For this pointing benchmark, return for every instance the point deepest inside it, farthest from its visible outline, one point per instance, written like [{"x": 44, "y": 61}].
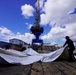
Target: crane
[{"x": 37, "y": 30}]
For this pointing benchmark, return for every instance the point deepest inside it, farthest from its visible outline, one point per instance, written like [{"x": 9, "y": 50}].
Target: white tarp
[{"x": 29, "y": 56}]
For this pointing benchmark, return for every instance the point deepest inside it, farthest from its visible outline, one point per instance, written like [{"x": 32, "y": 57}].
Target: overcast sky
[{"x": 58, "y": 18}]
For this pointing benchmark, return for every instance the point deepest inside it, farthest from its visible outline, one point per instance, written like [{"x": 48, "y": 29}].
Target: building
[{"x": 18, "y": 42}]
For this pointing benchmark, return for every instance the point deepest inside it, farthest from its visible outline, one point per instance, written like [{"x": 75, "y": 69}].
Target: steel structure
[{"x": 37, "y": 30}]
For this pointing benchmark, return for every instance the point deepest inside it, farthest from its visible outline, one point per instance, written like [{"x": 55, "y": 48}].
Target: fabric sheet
[{"x": 29, "y": 56}]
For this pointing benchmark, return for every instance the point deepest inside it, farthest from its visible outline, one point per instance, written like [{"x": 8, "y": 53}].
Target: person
[{"x": 71, "y": 47}]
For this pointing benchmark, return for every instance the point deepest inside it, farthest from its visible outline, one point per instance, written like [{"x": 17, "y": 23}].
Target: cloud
[
  {"x": 26, "y": 37},
  {"x": 53, "y": 43},
  {"x": 58, "y": 33},
  {"x": 5, "y": 31},
  {"x": 29, "y": 25},
  {"x": 6, "y": 35},
  {"x": 61, "y": 16},
  {"x": 55, "y": 10},
  {"x": 27, "y": 10}
]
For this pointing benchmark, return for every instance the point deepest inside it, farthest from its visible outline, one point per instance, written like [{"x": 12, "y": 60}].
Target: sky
[{"x": 57, "y": 17}]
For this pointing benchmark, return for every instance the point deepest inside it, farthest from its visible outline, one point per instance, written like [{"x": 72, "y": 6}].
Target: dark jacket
[{"x": 70, "y": 44}]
